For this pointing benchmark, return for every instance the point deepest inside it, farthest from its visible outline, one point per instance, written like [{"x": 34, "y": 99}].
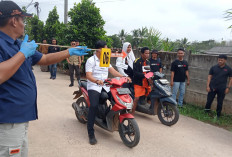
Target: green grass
[{"x": 196, "y": 112}]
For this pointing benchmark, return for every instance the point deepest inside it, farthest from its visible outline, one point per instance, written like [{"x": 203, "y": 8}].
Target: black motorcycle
[{"x": 165, "y": 107}]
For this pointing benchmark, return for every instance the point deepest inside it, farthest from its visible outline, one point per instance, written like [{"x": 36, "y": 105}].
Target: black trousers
[
  {"x": 220, "y": 97},
  {"x": 94, "y": 97},
  {"x": 71, "y": 72}
]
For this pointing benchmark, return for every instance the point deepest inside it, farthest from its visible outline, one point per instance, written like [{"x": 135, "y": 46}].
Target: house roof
[{"x": 220, "y": 50}]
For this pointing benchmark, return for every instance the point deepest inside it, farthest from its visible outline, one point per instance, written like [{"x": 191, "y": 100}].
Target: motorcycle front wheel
[
  {"x": 129, "y": 132},
  {"x": 168, "y": 114}
]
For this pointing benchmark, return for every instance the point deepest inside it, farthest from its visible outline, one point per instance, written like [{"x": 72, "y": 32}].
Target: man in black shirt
[
  {"x": 155, "y": 62},
  {"x": 216, "y": 84},
  {"x": 179, "y": 72},
  {"x": 52, "y": 67}
]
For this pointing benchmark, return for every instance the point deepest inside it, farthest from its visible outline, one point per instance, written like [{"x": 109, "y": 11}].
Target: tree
[
  {"x": 184, "y": 43},
  {"x": 87, "y": 23},
  {"x": 129, "y": 38},
  {"x": 153, "y": 40},
  {"x": 167, "y": 45},
  {"x": 116, "y": 41},
  {"x": 228, "y": 16},
  {"x": 143, "y": 33},
  {"x": 37, "y": 29},
  {"x": 135, "y": 35},
  {"x": 34, "y": 27},
  {"x": 52, "y": 25},
  {"x": 122, "y": 35}
]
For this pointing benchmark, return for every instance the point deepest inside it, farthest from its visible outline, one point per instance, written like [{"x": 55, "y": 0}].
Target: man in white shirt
[{"x": 96, "y": 76}]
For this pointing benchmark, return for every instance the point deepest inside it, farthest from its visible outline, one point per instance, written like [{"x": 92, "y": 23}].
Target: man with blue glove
[{"x": 18, "y": 92}]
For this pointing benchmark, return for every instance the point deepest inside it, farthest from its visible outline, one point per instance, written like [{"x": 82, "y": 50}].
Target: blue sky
[{"x": 194, "y": 19}]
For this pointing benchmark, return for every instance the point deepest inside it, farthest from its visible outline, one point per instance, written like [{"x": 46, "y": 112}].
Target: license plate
[{"x": 123, "y": 91}]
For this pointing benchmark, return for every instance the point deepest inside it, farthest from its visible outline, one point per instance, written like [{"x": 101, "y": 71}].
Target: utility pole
[
  {"x": 65, "y": 11},
  {"x": 36, "y": 5}
]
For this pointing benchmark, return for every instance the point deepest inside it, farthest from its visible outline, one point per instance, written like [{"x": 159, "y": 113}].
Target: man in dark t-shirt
[
  {"x": 155, "y": 62},
  {"x": 52, "y": 67},
  {"x": 217, "y": 84},
  {"x": 179, "y": 72}
]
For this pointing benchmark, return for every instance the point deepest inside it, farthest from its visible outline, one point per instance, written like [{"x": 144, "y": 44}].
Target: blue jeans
[
  {"x": 178, "y": 86},
  {"x": 52, "y": 68}
]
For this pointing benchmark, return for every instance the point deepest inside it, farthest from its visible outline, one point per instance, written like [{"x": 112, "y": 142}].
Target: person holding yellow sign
[{"x": 96, "y": 76}]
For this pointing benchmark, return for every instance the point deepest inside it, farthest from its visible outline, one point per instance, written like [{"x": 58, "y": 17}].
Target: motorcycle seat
[
  {"x": 83, "y": 84},
  {"x": 103, "y": 97}
]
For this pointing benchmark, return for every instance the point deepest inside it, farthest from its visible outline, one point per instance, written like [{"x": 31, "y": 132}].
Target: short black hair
[
  {"x": 222, "y": 57},
  {"x": 180, "y": 49},
  {"x": 100, "y": 44},
  {"x": 73, "y": 40},
  {"x": 77, "y": 40},
  {"x": 55, "y": 40},
  {"x": 144, "y": 49},
  {"x": 155, "y": 51}
]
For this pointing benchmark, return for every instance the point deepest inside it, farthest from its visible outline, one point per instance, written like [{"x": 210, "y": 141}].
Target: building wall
[{"x": 199, "y": 66}]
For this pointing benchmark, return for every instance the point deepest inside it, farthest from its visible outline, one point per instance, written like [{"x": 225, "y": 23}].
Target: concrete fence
[{"x": 199, "y": 66}]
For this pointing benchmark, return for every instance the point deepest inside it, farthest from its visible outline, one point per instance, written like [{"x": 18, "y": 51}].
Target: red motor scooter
[{"x": 111, "y": 116}]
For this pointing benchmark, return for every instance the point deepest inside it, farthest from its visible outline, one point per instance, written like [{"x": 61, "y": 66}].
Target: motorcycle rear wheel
[
  {"x": 129, "y": 132},
  {"x": 83, "y": 105},
  {"x": 166, "y": 114}
]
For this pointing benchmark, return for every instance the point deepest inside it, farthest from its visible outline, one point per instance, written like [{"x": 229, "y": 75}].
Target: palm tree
[
  {"x": 135, "y": 34},
  {"x": 122, "y": 35},
  {"x": 184, "y": 43},
  {"x": 143, "y": 33},
  {"x": 229, "y": 16}
]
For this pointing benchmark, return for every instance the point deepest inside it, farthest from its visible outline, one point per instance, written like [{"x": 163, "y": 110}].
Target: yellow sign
[{"x": 105, "y": 57}]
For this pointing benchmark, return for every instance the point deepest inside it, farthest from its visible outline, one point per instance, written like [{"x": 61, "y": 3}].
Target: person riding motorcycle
[
  {"x": 141, "y": 84},
  {"x": 125, "y": 65},
  {"x": 95, "y": 77}
]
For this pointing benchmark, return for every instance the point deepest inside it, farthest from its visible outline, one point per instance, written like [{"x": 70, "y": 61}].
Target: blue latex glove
[
  {"x": 78, "y": 52},
  {"x": 28, "y": 48}
]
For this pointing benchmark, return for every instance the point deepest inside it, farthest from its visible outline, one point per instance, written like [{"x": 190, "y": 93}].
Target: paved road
[{"x": 57, "y": 133}]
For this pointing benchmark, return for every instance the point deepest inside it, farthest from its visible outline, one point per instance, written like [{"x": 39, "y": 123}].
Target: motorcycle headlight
[{"x": 128, "y": 105}]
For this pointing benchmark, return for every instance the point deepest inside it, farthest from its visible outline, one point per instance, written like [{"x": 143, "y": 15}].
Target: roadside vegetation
[{"x": 197, "y": 112}]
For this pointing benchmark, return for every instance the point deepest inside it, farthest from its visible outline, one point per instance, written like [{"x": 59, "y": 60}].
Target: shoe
[
  {"x": 71, "y": 85},
  {"x": 50, "y": 77},
  {"x": 53, "y": 78},
  {"x": 92, "y": 140}
]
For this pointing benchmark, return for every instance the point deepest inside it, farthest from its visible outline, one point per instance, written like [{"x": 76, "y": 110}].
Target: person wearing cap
[
  {"x": 74, "y": 64},
  {"x": 18, "y": 91},
  {"x": 179, "y": 73},
  {"x": 217, "y": 84},
  {"x": 155, "y": 62}
]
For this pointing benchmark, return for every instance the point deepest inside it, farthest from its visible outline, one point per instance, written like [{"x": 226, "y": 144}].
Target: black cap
[
  {"x": 10, "y": 8},
  {"x": 222, "y": 56}
]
